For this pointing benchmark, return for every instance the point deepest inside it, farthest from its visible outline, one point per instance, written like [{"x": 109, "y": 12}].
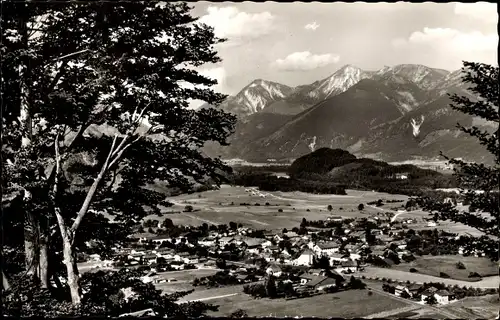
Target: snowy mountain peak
[
  {"x": 255, "y": 97},
  {"x": 422, "y": 76},
  {"x": 339, "y": 82}
]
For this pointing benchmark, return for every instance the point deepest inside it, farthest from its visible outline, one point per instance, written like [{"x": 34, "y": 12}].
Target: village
[{"x": 316, "y": 257}]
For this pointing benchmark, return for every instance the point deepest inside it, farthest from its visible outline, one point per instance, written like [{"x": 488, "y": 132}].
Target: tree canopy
[
  {"x": 479, "y": 183},
  {"x": 96, "y": 108}
]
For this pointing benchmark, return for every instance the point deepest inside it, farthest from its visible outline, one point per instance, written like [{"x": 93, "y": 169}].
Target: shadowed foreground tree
[
  {"x": 479, "y": 183},
  {"x": 95, "y": 108}
]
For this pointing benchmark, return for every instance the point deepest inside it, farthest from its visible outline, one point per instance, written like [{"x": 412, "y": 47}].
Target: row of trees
[
  {"x": 93, "y": 110},
  {"x": 268, "y": 182}
]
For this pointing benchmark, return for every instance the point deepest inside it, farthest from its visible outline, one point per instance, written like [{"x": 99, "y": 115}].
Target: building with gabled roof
[{"x": 305, "y": 258}]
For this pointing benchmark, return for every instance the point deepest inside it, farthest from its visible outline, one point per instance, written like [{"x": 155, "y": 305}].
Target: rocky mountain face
[
  {"x": 255, "y": 97},
  {"x": 393, "y": 114}
]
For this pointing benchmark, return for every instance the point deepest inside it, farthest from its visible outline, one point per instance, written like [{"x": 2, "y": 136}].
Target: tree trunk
[
  {"x": 70, "y": 263},
  {"x": 31, "y": 246},
  {"x": 5, "y": 281},
  {"x": 36, "y": 257},
  {"x": 44, "y": 260}
]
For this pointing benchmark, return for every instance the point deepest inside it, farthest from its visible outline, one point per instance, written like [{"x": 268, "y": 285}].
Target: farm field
[
  {"x": 394, "y": 274},
  {"x": 485, "y": 307},
  {"x": 183, "y": 279},
  {"x": 234, "y": 204},
  {"x": 346, "y": 304},
  {"x": 433, "y": 265}
]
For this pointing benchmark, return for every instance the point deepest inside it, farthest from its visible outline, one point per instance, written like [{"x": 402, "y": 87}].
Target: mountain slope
[
  {"x": 424, "y": 133},
  {"x": 422, "y": 76},
  {"x": 396, "y": 113},
  {"x": 338, "y": 82},
  {"x": 339, "y": 121},
  {"x": 248, "y": 130},
  {"x": 255, "y": 97}
]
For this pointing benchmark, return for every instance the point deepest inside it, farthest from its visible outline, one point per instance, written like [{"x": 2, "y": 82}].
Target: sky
[{"x": 298, "y": 43}]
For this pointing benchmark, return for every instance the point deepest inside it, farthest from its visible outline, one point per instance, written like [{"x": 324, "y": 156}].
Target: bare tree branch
[
  {"x": 90, "y": 194},
  {"x": 57, "y": 210}
]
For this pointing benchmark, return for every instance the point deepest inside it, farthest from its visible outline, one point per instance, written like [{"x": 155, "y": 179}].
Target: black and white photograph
[{"x": 249, "y": 159}]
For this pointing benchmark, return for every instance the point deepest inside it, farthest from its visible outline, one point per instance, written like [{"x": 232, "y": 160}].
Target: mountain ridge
[{"x": 395, "y": 113}]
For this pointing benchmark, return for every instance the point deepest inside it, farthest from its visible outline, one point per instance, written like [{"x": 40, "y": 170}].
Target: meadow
[
  {"x": 235, "y": 204},
  {"x": 434, "y": 265},
  {"x": 345, "y": 304},
  {"x": 485, "y": 307}
]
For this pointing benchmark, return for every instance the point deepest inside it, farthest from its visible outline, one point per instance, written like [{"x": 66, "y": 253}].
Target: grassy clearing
[
  {"x": 433, "y": 265},
  {"x": 347, "y": 304},
  {"x": 225, "y": 205},
  {"x": 485, "y": 307}
]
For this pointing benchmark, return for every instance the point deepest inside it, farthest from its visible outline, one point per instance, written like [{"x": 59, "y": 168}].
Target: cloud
[
  {"x": 484, "y": 11},
  {"x": 311, "y": 26},
  {"x": 231, "y": 23},
  {"x": 449, "y": 47},
  {"x": 304, "y": 61}
]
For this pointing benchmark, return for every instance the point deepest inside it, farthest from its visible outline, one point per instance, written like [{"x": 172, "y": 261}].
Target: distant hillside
[
  {"x": 247, "y": 131},
  {"x": 341, "y": 167},
  {"x": 337, "y": 122},
  {"x": 321, "y": 161}
]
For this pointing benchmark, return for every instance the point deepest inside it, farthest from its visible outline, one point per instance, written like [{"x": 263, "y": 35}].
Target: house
[
  {"x": 305, "y": 258},
  {"x": 358, "y": 234},
  {"x": 305, "y": 278},
  {"x": 354, "y": 256},
  {"x": 253, "y": 245},
  {"x": 207, "y": 242},
  {"x": 278, "y": 238},
  {"x": 286, "y": 253},
  {"x": 335, "y": 219},
  {"x": 316, "y": 272},
  {"x": 135, "y": 256},
  {"x": 413, "y": 289},
  {"x": 401, "y": 176},
  {"x": 401, "y": 244},
  {"x": 320, "y": 283},
  {"x": 138, "y": 251},
  {"x": 347, "y": 266},
  {"x": 149, "y": 258},
  {"x": 243, "y": 278},
  {"x": 299, "y": 243},
  {"x": 326, "y": 248},
  {"x": 376, "y": 232},
  {"x": 272, "y": 248},
  {"x": 443, "y": 296},
  {"x": 291, "y": 235},
  {"x": 226, "y": 240},
  {"x": 427, "y": 292},
  {"x": 400, "y": 289},
  {"x": 431, "y": 224},
  {"x": 274, "y": 270},
  {"x": 337, "y": 258},
  {"x": 353, "y": 248}
]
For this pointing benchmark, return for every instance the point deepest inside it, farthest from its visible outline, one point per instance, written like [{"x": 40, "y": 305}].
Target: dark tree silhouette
[
  {"x": 94, "y": 111},
  {"x": 478, "y": 182}
]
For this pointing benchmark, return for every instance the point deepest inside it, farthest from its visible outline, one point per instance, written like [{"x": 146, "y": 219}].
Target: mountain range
[{"x": 393, "y": 114}]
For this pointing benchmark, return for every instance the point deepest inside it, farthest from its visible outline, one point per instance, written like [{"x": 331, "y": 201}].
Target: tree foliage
[
  {"x": 479, "y": 183},
  {"x": 95, "y": 107}
]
